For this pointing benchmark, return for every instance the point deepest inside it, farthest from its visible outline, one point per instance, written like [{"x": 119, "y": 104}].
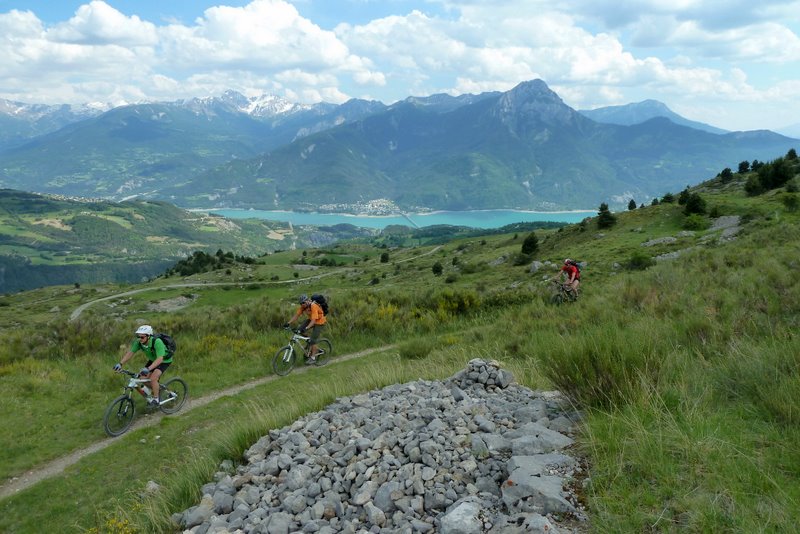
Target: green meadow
[{"x": 687, "y": 368}]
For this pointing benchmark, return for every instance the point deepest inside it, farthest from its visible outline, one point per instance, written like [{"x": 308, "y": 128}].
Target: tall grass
[{"x": 688, "y": 373}]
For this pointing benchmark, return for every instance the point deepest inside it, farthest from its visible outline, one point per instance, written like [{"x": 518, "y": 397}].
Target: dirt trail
[
  {"x": 56, "y": 467},
  {"x": 77, "y": 311}
]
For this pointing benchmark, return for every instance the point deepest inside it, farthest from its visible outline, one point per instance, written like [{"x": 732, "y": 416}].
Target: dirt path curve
[
  {"x": 58, "y": 466},
  {"x": 77, "y": 311}
]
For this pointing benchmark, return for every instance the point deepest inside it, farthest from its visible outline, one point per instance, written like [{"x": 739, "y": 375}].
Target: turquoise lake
[{"x": 473, "y": 219}]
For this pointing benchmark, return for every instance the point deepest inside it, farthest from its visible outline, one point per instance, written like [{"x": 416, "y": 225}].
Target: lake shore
[{"x": 473, "y": 218}]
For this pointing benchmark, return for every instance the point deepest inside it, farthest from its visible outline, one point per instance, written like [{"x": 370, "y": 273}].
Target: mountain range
[{"x": 519, "y": 149}]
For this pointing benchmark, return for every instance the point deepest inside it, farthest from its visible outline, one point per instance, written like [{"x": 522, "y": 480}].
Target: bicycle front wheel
[
  {"x": 119, "y": 416},
  {"x": 324, "y": 352},
  {"x": 172, "y": 395},
  {"x": 283, "y": 361},
  {"x": 558, "y": 298}
]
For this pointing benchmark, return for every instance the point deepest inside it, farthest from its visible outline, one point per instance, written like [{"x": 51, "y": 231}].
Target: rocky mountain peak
[{"x": 533, "y": 104}]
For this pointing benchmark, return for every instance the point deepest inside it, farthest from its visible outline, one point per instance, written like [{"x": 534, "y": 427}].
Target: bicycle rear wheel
[
  {"x": 172, "y": 395},
  {"x": 324, "y": 352},
  {"x": 283, "y": 361},
  {"x": 119, "y": 416}
]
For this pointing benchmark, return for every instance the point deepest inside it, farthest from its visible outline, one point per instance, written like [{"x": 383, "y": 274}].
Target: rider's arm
[
  {"x": 296, "y": 315},
  {"x": 128, "y": 355},
  {"x": 310, "y": 324}
]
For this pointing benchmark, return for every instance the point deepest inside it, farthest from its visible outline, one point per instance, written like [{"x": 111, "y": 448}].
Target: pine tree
[
  {"x": 531, "y": 244},
  {"x": 605, "y": 219}
]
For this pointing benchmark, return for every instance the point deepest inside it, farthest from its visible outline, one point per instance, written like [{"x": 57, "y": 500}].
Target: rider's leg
[
  {"x": 315, "y": 331},
  {"x": 154, "y": 376}
]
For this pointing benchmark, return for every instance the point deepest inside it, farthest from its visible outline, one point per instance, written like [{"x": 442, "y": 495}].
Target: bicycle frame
[
  {"x": 297, "y": 343},
  {"x": 135, "y": 384}
]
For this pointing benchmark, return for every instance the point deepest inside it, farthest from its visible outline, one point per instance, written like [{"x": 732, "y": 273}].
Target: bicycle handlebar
[
  {"x": 129, "y": 373},
  {"x": 292, "y": 330}
]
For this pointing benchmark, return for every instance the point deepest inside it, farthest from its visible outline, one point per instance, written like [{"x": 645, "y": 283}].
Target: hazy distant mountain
[
  {"x": 521, "y": 149},
  {"x": 142, "y": 148},
  {"x": 20, "y": 122},
  {"x": 443, "y": 102},
  {"x": 640, "y": 112},
  {"x": 791, "y": 131}
]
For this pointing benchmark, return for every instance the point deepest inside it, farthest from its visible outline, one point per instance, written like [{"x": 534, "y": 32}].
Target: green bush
[
  {"x": 790, "y": 202},
  {"x": 639, "y": 261},
  {"x": 520, "y": 259},
  {"x": 695, "y": 221}
]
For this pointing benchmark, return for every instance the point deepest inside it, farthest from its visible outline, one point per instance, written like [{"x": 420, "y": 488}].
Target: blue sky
[{"x": 734, "y": 64}]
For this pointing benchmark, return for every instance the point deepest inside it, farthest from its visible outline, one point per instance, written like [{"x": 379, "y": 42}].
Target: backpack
[
  {"x": 320, "y": 299},
  {"x": 169, "y": 343}
]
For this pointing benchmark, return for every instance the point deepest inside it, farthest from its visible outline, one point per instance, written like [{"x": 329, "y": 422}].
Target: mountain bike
[
  {"x": 284, "y": 360},
  {"x": 563, "y": 293},
  {"x": 172, "y": 395}
]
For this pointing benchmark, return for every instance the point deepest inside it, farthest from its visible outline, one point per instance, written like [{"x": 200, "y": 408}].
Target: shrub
[
  {"x": 753, "y": 186},
  {"x": 531, "y": 244},
  {"x": 639, "y": 261},
  {"x": 695, "y": 221},
  {"x": 520, "y": 259},
  {"x": 790, "y": 202},
  {"x": 694, "y": 204}
]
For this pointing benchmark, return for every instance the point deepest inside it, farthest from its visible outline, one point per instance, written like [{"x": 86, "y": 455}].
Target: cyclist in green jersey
[{"x": 158, "y": 358}]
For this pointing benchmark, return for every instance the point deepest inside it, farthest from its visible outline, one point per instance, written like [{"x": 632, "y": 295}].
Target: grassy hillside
[
  {"x": 47, "y": 240},
  {"x": 686, "y": 366}
]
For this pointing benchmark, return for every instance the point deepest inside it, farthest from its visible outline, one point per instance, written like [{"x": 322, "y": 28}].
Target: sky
[{"x": 733, "y": 64}]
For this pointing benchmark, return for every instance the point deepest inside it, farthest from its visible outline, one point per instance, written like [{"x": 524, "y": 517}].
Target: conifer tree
[{"x": 605, "y": 219}]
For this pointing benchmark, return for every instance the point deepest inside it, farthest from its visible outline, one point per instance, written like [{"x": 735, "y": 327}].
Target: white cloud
[
  {"x": 97, "y": 23},
  {"x": 687, "y": 53}
]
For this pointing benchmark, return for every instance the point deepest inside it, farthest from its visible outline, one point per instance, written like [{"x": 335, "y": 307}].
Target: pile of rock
[{"x": 476, "y": 453}]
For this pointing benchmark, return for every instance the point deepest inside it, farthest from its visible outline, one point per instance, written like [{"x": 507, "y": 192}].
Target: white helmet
[{"x": 145, "y": 329}]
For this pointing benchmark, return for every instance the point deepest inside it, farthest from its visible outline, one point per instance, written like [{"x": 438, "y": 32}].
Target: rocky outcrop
[{"x": 476, "y": 453}]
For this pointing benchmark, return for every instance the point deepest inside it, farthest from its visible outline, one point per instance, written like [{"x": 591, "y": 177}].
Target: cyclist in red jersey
[{"x": 573, "y": 274}]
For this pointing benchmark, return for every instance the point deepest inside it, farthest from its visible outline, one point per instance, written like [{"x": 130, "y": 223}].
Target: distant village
[{"x": 378, "y": 206}]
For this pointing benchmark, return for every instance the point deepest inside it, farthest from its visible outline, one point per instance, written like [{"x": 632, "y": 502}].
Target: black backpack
[
  {"x": 169, "y": 343},
  {"x": 320, "y": 299}
]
